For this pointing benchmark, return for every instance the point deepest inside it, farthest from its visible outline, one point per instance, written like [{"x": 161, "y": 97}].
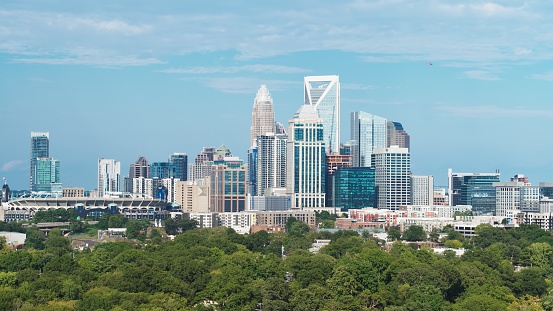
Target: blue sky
[{"x": 119, "y": 79}]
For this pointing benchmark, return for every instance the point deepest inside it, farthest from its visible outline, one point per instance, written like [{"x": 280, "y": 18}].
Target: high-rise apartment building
[
  {"x": 263, "y": 116},
  {"x": 475, "y": 189},
  {"x": 180, "y": 162},
  {"x": 109, "y": 177},
  {"x": 397, "y": 136},
  {"x": 306, "y": 159},
  {"x": 323, "y": 93},
  {"x": 368, "y": 132},
  {"x": 422, "y": 190},
  {"x": 140, "y": 168},
  {"x": 40, "y": 148},
  {"x": 392, "y": 176}
]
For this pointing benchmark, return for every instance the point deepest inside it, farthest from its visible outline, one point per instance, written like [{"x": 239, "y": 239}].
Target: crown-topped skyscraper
[{"x": 263, "y": 115}]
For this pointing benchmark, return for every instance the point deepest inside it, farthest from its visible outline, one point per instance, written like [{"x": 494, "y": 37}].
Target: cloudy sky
[{"x": 471, "y": 81}]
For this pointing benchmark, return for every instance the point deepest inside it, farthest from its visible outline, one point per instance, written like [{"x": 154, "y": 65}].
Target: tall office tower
[
  {"x": 270, "y": 163},
  {"x": 162, "y": 170},
  {"x": 474, "y": 189},
  {"x": 323, "y": 93},
  {"x": 397, "y": 136},
  {"x": 180, "y": 161},
  {"x": 263, "y": 116},
  {"x": 354, "y": 187},
  {"x": 333, "y": 162},
  {"x": 306, "y": 159},
  {"x": 422, "y": 190},
  {"x": 368, "y": 132},
  {"x": 392, "y": 176},
  {"x": 109, "y": 176},
  {"x": 202, "y": 164},
  {"x": 46, "y": 176},
  {"x": 40, "y": 148},
  {"x": 228, "y": 189}
]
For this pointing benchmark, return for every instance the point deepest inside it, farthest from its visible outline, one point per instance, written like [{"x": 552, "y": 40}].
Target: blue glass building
[{"x": 354, "y": 187}]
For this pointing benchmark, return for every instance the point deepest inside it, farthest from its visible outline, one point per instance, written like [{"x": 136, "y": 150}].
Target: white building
[
  {"x": 109, "y": 177},
  {"x": 306, "y": 159},
  {"x": 392, "y": 176},
  {"x": 368, "y": 132},
  {"x": 142, "y": 187},
  {"x": 422, "y": 190},
  {"x": 515, "y": 196},
  {"x": 323, "y": 93},
  {"x": 241, "y": 222}
]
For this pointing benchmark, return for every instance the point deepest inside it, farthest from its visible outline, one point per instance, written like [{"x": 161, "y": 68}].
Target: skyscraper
[
  {"x": 354, "y": 187},
  {"x": 392, "y": 176},
  {"x": 46, "y": 176},
  {"x": 162, "y": 170},
  {"x": 368, "y": 132},
  {"x": 323, "y": 93},
  {"x": 202, "y": 164},
  {"x": 334, "y": 161},
  {"x": 397, "y": 136},
  {"x": 180, "y": 161},
  {"x": 263, "y": 116},
  {"x": 40, "y": 148},
  {"x": 109, "y": 176},
  {"x": 271, "y": 162},
  {"x": 306, "y": 159},
  {"x": 228, "y": 190},
  {"x": 140, "y": 168}
]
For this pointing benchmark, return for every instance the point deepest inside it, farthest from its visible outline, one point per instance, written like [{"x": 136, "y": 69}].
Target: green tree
[
  {"x": 34, "y": 238},
  {"x": 540, "y": 254},
  {"x": 394, "y": 234},
  {"x": 414, "y": 233}
]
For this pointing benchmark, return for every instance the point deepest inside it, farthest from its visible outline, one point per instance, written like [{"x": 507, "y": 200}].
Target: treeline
[{"x": 218, "y": 269}]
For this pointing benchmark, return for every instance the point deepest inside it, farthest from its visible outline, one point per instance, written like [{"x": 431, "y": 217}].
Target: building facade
[
  {"x": 475, "y": 189},
  {"x": 368, "y": 132},
  {"x": 422, "y": 190},
  {"x": 334, "y": 161},
  {"x": 270, "y": 162},
  {"x": 323, "y": 93},
  {"x": 228, "y": 186},
  {"x": 354, "y": 188},
  {"x": 392, "y": 176}
]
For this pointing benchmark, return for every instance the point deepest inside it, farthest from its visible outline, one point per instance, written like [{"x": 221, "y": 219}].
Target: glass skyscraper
[
  {"x": 40, "y": 148},
  {"x": 323, "y": 93},
  {"x": 180, "y": 162},
  {"x": 368, "y": 132}
]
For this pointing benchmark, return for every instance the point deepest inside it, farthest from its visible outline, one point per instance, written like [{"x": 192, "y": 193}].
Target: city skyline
[{"x": 469, "y": 81}]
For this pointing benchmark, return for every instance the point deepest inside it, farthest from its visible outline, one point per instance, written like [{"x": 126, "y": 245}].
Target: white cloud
[
  {"x": 547, "y": 76},
  {"x": 426, "y": 30},
  {"x": 15, "y": 165},
  {"x": 480, "y": 75},
  {"x": 493, "y": 111},
  {"x": 355, "y": 86},
  {"x": 235, "y": 69}
]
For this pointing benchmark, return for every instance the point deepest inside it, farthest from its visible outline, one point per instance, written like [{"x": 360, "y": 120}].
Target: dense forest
[{"x": 218, "y": 269}]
